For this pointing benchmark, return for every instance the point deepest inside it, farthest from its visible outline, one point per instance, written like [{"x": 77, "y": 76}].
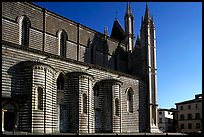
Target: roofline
[
  {"x": 189, "y": 101},
  {"x": 164, "y": 109},
  {"x": 72, "y": 21}
]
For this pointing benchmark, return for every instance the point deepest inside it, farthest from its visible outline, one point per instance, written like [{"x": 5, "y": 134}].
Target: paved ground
[{"x": 25, "y": 133}]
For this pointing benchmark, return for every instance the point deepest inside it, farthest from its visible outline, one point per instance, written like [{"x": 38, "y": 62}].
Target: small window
[
  {"x": 182, "y": 126},
  {"x": 160, "y": 113},
  {"x": 130, "y": 100},
  {"x": 181, "y": 117},
  {"x": 196, "y": 105},
  {"x": 197, "y": 116},
  {"x": 181, "y": 108},
  {"x": 189, "y": 116},
  {"x": 84, "y": 103},
  {"x": 40, "y": 98},
  {"x": 160, "y": 120},
  {"x": 197, "y": 125},
  {"x": 117, "y": 110},
  {"x": 189, "y": 126},
  {"x": 189, "y": 106}
]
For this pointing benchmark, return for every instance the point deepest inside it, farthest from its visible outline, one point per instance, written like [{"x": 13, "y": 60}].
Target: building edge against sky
[{"x": 41, "y": 94}]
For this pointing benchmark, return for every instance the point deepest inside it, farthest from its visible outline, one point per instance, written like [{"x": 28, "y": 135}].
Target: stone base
[{"x": 154, "y": 129}]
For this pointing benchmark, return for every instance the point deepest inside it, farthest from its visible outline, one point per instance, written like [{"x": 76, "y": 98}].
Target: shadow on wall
[
  {"x": 98, "y": 53},
  {"x": 20, "y": 85},
  {"x": 17, "y": 84}
]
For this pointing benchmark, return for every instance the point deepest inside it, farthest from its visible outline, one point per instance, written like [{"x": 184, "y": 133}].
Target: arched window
[
  {"x": 40, "y": 98},
  {"x": 24, "y": 30},
  {"x": 60, "y": 89},
  {"x": 84, "y": 103},
  {"x": 117, "y": 109},
  {"x": 130, "y": 101},
  {"x": 62, "y": 36},
  {"x": 60, "y": 82},
  {"x": 96, "y": 97}
]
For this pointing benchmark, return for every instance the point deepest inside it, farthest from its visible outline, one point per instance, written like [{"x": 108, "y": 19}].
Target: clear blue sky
[{"x": 178, "y": 34}]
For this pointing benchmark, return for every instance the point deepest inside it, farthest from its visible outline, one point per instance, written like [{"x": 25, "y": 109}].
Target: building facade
[
  {"x": 166, "y": 119},
  {"x": 190, "y": 115},
  {"x": 61, "y": 76}
]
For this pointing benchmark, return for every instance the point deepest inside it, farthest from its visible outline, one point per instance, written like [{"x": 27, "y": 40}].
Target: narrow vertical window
[
  {"x": 60, "y": 82},
  {"x": 85, "y": 103},
  {"x": 130, "y": 101},
  {"x": 25, "y": 31},
  {"x": 96, "y": 97},
  {"x": 40, "y": 98},
  {"x": 182, "y": 126},
  {"x": 60, "y": 89},
  {"x": 62, "y": 43},
  {"x": 117, "y": 110}
]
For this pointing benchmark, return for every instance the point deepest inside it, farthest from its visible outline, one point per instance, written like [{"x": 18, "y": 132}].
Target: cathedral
[{"x": 59, "y": 76}]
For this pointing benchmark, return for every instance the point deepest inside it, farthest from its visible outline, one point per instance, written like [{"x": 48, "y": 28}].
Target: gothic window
[
  {"x": 40, "y": 98},
  {"x": 60, "y": 88},
  {"x": 84, "y": 103},
  {"x": 25, "y": 26},
  {"x": 130, "y": 101},
  {"x": 60, "y": 82},
  {"x": 117, "y": 110},
  {"x": 96, "y": 97},
  {"x": 62, "y": 42}
]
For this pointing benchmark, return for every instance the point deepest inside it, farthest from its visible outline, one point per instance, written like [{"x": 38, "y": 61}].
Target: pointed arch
[
  {"x": 24, "y": 30},
  {"x": 130, "y": 95},
  {"x": 62, "y": 40},
  {"x": 60, "y": 82}
]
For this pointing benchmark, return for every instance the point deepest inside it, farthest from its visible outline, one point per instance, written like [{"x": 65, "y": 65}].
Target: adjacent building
[
  {"x": 189, "y": 115},
  {"x": 166, "y": 119},
  {"x": 61, "y": 76}
]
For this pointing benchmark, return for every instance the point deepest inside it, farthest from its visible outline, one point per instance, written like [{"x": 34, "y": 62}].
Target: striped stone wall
[
  {"x": 129, "y": 122},
  {"x": 97, "y": 67},
  {"x": 43, "y": 35}
]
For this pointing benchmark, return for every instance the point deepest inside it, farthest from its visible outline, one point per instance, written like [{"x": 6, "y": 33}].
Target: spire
[
  {"x": 142, "y": 22},
  {"x": 147, "y": 14},
  {"x": 128, "y": 10},
  {"x": 152, "y": 22},
  {"x": 138, "y": 41}
]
